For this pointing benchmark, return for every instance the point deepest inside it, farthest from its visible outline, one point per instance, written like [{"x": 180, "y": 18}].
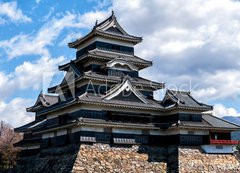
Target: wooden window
[
  {"x": 87, "y": 139},
  {"x": 124, "y": 141}
]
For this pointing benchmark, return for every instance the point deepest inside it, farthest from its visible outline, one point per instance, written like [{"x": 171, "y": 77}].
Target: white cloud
[
  {"x": 12, "y": 12},
  {"x": 37, "y": 43},
  {"x": 220, "y": 84},
  {"x": 34, "y": 75},
  {"x": 174, "y": 27},
  {"x": 29, "y": 75},
  {"x": 2, "y": 21},
  {"x": 70, "y": 37},
  {"x": 37, "y": 1},
  {"x": 14, "y": 112},
  {"x": 221, "y": 111},
  {"x": 48, "y": 15},
  {"x": 197, "y": 42}
]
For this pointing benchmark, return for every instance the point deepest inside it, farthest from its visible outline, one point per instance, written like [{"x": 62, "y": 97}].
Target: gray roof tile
[
  {"x": 218, "y": 122},
  {"x": 184, "y": 99},
  {"x": 113, "y": 55},
  {"x": 97, "y": 99}
]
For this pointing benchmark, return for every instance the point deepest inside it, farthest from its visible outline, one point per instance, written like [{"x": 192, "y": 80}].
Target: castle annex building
[{"x": 102, "y": 99}]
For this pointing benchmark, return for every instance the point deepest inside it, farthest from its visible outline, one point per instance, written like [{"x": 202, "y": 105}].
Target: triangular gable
[
  {"x": 75, "y": 69},
  {"x": 169, "y": 97},
  {"x": 183, "y": 99},
  {"x": 125, "y": 87},
  {"x": 45, "y": 100},
  {"x": 71, "y": 75},
  {"x": 38, "y": 101},
  {"x": 70, "y": 67},
  {"x": 111, "y": 25}
]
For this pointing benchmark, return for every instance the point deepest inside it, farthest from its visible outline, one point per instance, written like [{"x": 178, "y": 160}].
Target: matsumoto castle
[{"x": 102, "y": 99}]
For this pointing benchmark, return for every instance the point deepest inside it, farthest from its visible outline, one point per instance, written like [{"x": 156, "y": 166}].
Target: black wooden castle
[{"x": 102, "y": 99}]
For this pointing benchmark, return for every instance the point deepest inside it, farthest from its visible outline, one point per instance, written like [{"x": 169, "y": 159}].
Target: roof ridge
[
  {"x": 170, "y": 91},
  {"x": 179, "y": 91},
  {"x": 110, "y": 17}
]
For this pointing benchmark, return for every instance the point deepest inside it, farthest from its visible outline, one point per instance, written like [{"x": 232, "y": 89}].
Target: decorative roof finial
[{"x": 96, "y": 22}]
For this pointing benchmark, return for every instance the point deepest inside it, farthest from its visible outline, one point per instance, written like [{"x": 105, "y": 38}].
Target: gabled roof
[
  {"x": 70, "y": 66},
  {"x": 43, "y": 100},
  {"x": 183, "y": 99},
  {"x": 24, "y": 127},
  {"x": 219, "y": 122},
  {"x": 28, "y": 142},
  {"x": 113, "y": 79},
  {"x": 126, "y": 85},
  {"x": 210, "y": 122},
  {"x": 136, "y": 81},
  {"x": 109, "y": 56},
  {"x": 73, "y": 72},
  {"x": 96, "y": 99},
  {"x": 109, "y": 28},
  {"x": 106, "y": 55},
  {"x": 111, "y": 25}
]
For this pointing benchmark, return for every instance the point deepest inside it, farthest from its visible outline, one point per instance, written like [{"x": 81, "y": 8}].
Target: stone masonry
[
  {"x": 105, "y": 158},
  {"x": 193, "y": 160}
]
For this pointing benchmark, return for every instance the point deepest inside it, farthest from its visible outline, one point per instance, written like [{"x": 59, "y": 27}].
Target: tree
[{"x": 8, "y": 153}]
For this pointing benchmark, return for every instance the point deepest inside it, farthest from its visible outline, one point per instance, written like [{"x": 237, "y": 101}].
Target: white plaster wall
[
  {"x": 196, "y": 132},
  {"x": 96, "y": 129},
  {"x": 212, "y": 149},
  {"x": 61, "y": 132},
  {"x": 48, "y": 135},
  {"x": 31, "y": 147},
  {"x": 127, "y": 131},
  {"x": 52, "y": 114},
  {"x": 166, "y": 132}
]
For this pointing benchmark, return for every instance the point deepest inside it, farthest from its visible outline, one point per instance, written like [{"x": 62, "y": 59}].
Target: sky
[{"x": 194, "y": 45}]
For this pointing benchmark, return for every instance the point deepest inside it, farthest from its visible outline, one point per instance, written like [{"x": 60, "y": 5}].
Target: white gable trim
[
  {"x": 121, "y": 62},
  {"x": 126, "y": 85}
]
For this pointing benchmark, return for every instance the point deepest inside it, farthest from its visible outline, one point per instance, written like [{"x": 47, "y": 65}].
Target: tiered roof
[
  {"x": 109, "y": 28},
  {"x": 210, "y": 122},
  {"x": 44, "y": 100},
  {"x": 108, "y": 56},
  {"x": 173, "y": 100}
]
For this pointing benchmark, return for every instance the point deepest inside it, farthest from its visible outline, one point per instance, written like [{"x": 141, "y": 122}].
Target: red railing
[{"x": 226, "y": 142}]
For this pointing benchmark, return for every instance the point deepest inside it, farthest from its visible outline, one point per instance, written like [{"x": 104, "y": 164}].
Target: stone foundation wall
[
  {"x": 105, "y": 158},
  {"x": 54, "y": 160},
  {"x": 193, "y": 160}
]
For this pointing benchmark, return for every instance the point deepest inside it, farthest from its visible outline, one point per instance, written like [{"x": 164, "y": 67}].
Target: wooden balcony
[{"x": 224, "y": 142}]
